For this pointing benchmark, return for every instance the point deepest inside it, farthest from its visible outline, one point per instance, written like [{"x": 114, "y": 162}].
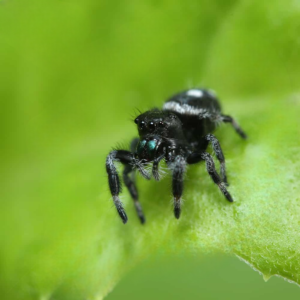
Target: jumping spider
[{"x": 179, "y": 134}]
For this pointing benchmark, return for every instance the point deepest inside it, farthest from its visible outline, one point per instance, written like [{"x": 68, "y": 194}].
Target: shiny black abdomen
[{"x": 198, "y": 111}]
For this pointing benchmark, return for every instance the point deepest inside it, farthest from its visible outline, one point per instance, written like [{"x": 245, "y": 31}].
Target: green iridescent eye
[
  {"x": 151, "y": 147},
  {"x": 140, "y": 146}
]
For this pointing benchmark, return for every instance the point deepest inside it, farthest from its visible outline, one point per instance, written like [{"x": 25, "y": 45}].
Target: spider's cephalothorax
[{"x": 179, "y": 134}]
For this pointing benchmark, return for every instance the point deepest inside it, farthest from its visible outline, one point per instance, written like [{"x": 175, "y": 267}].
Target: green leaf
[{"x": 71, "y": 74}]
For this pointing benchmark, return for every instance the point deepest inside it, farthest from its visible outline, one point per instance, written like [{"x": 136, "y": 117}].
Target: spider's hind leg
[
  {"x": 219, "y": 154},
  {"x": 211, "y": 169},
  {"x": 196, "y": 157},
  {"x": 238, "y": 129}
]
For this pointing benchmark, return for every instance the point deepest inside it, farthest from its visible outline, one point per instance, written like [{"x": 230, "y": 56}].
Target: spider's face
[{"x": 159, "y": 123}]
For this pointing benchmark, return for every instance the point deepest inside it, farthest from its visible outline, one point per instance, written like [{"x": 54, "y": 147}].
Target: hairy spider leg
[
  {"x": 130, "y": 184},
  {"x": 129, "y": 181},
  {"x": 155, "y": 170},
  {"x": 211, "y": 170},
  {"x": 178, "y": 167},
  {"x": 216, "y": 117},
  {"x": 219, "y": 154},
  {"x": 126, "y": 158},
  {"x": 238, "y": 129}
]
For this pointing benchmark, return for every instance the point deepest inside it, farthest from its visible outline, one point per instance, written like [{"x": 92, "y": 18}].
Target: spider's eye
[
  {"x": 151, "y": 126},
  {"x": 142, "y": 124},
  {"x": 136, "y": 121},
  {"x": 151, "y": 145},
  {"x": 140, "y": 146},
  {"x": 161, "y": 124}
]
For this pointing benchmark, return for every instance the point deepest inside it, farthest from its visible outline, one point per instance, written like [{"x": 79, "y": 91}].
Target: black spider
[{"x": 179, "y": 134}]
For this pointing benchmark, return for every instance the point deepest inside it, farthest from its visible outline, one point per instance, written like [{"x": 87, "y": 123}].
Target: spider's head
[
  {"x": 159, "y": 123},
  {"x": 155, "y": 128}
]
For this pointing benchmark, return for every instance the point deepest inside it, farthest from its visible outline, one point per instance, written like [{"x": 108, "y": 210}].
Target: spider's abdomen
[
  {"x": 193, "y": 102},
  {"x": 196, "y": 109}
]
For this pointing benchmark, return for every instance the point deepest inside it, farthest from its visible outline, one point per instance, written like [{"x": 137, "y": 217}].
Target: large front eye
[
  {"x": 151, "y": 145},
  {"x": 142, "y": 125},
  {"x": 140, "y": 146},
  {"x": 151, "y": 126}
]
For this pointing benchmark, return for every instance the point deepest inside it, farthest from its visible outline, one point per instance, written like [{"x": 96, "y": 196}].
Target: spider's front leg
[
  {"x": 129, "y": 180},
  {"x": 155, "y": 170},
  {"x": 126, "y": 158},
  {"x": 178, "y": 167},
  {"x": 130, "y": 184}
]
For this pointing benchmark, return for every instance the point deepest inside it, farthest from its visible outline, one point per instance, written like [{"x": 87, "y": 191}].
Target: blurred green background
[
  {"x": 189, "y": 277},
  {"x": 71, "y": 75}
]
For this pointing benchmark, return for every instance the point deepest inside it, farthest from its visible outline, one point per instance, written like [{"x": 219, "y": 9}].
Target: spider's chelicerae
[{"x": 179, "y": 134}]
